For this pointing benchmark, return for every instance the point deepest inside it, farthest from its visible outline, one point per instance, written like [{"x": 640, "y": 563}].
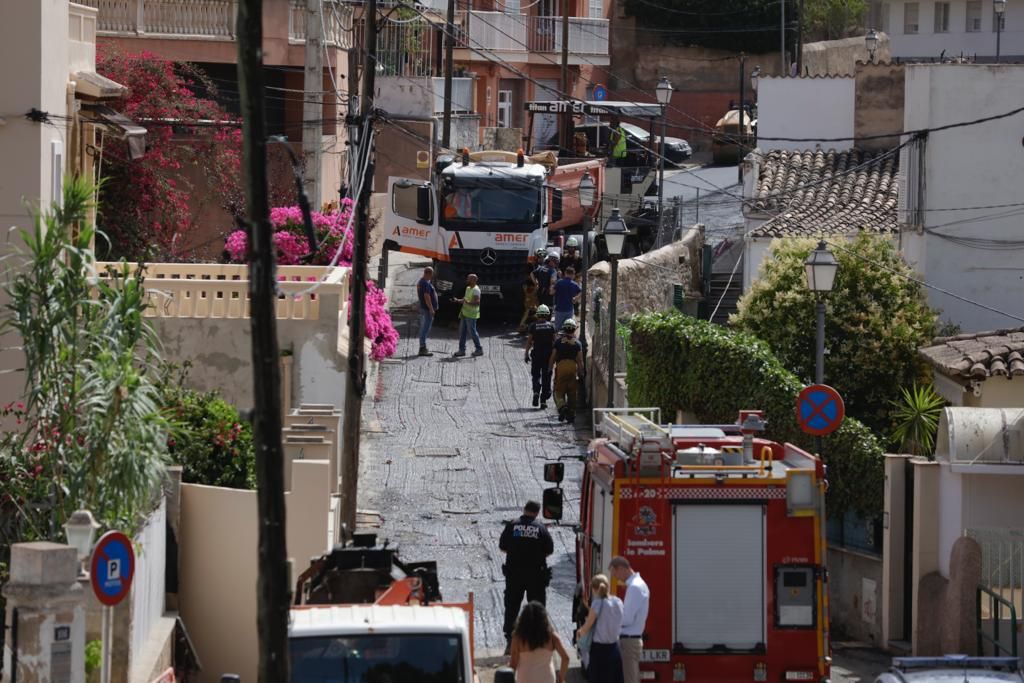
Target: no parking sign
[{"x": 113, "y": 566}]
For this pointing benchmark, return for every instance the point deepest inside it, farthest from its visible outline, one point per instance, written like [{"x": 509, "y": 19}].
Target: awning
[
  {"x": 122, "y": 127},
  {"x": 91, "y": 84}
]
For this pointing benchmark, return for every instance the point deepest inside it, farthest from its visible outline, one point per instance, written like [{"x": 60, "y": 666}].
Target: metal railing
[
  {"x": 405, "y": 49},
  {"x": 496, "y": 31},
  {"x": 997, "y": 606},
  {"x": 337, "y": 23},
  {"x": 586, "y": 36},
  {"x": 195, "y": 18}
]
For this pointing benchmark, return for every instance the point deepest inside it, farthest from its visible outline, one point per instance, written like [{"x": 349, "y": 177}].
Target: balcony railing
[
  {"x": 495, "y": 31},
  {"x": 213, "y": 19},
  {"x": 586, "y": 36},
  {"x": 337, "y": 23},
  {"x": 511, "y": 32}
]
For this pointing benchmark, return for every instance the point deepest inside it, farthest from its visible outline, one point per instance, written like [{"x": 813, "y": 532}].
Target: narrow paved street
[{"x": 451, "y": 448}]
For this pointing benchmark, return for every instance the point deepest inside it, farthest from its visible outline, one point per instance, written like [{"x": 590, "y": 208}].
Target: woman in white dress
[{"x": 534, "y": 643}]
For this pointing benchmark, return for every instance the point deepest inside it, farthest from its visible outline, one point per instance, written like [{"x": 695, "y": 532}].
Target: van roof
[{"x": 324, "y": 620}]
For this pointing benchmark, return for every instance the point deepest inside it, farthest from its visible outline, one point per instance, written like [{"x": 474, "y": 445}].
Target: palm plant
[{"x": 916, "y": 418}]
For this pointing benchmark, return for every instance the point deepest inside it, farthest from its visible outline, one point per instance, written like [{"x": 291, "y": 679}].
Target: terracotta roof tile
[
  {"x": 827, "y": 193},
  {"x": 979, "y": 356}
]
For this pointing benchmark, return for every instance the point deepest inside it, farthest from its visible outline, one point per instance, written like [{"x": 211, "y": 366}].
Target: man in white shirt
[{"x": 634, "y": 617}]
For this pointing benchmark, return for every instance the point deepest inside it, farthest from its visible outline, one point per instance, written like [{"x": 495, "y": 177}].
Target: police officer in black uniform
[{"x": 526, "y": 544}]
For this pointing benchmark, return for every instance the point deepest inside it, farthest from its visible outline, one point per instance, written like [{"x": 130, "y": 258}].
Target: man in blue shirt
[
  {"x": 567, "y": 292},
  {"x": 427, "y": 296}
]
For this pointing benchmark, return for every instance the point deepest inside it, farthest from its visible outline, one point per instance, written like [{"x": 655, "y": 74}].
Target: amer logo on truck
[
  {"x": 409, "y": 231},
  {"x": 511, "y": 238}
]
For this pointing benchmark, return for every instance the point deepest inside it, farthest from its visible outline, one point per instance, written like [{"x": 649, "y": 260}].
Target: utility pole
[
  {"x": 800, "y": 38},
  {"x": 782, "y": 40},
  {"x": 356, "y": 380},
  {"x": 449, "y": 45},
  {"x": 272, "y": 591},
  {"x": 563, "y": 129},
  {"x": 742, "y": 131},
  {"x": 312, "y": 102}
]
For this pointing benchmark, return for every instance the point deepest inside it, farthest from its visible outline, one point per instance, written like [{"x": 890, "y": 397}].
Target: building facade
[{"x": 926, "y": 29}]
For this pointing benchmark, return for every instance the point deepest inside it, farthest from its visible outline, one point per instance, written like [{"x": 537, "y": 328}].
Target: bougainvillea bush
[
  {"x": 147, "y": 205},
  {"x": 333, "y": 232}
]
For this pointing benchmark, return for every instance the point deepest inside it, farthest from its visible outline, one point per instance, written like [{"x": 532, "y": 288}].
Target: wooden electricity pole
[
  {"x": 449, "y": 46},
  {"x": 356, "y": 380},
  {"x": 563, "y": 124},
  {"x": 272, "y": 592}
]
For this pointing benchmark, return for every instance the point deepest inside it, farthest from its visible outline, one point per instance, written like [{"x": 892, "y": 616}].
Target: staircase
[{"x": 719, "y": 286}]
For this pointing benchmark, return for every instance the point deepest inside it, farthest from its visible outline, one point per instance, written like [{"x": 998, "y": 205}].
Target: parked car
[
  {"x": 638, "y": 145},
  {"x": 953, "y": 669}
]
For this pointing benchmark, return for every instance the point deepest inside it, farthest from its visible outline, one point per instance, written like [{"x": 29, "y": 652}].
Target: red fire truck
[{"x": 727, "y": 529}]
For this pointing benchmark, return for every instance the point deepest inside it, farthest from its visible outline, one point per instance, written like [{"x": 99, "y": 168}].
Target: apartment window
[
  {"x": 1000, "y": 20},
  {"x": 596, "y": 9},
  {"x": 910, "y": 10},
  {"x": 942, "y": 17},
  {"x": 973, "y": 16}
]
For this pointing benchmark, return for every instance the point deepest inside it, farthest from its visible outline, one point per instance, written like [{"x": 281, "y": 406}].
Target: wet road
[{"x": 451, "y": 448}]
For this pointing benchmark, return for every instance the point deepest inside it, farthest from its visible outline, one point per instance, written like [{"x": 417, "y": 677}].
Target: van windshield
[{"x": 392, "y": 658}]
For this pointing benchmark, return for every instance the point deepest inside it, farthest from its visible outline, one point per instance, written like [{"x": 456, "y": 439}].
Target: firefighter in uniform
[
  {"x": 539, "y": 343},
  {"x": 567, "y": 364},
  {"x": 572, "y": 258},
  {"x": 531, "y": 294},
  {"x": 526, "y": 544}
]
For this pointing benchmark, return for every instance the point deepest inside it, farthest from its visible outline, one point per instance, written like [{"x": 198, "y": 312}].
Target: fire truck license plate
[{"x": 654, "y": 656}]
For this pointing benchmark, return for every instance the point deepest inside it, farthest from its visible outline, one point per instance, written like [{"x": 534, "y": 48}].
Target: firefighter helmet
[
  {"x": 569, "y": 325},
  {"x": 572, "y": 243},
  {"x": 543, "y": 310},
  {"x": 540, "y": 254}
]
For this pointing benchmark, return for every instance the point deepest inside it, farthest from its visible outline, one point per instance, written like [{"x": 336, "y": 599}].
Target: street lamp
[
  {"x": 615, "y": 232},
  {"x": 999, "y": 7},
  {"x": 80, "y": 530},
  {"x": 820, "y": 268},
  {"x": 664, "y": 94},
  {"x": 871, "y": 43},
  {"x": 587, "y": 192}
]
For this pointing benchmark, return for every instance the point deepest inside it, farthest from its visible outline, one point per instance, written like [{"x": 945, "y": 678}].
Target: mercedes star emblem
[{"x": 488, "y": 257}]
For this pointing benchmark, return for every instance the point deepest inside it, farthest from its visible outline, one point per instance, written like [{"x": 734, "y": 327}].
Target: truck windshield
[
  {"x": 465, "y": 206},
  {"x": 392, "y": 658}
]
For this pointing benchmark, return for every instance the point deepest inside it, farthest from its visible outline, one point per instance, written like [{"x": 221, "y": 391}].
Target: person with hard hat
[
  {"x": 572, "y": 258},
  {"x": 545, "y": 274},
  {"x": 530, "y": 289},
  {"x": 567, "y": 364},
  {"x": 540, "y": 341}
]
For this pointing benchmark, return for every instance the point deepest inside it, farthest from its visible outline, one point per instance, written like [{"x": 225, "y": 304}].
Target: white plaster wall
[
  {"x": 220, "y": 351},
  {"x": 405, "y": 96},
  {"x": 928, "y": 44},
  {"x": 805, "y": 108},
  {"x": 34, "y": 46},
  {"x": 969, "y": 166}
]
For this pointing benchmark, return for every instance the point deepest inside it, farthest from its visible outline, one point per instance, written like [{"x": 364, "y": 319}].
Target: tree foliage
[
  {"x": 89, "y": 431},
  {"x": 876, "y": 318},
  {"x": 681, "y": 363},
  {"x": 748, "y": 25},
  {"x": 833, "y": 19}
]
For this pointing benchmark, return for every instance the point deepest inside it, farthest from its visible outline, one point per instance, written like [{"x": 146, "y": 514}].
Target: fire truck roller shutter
[{"x": 720, "y": 570}]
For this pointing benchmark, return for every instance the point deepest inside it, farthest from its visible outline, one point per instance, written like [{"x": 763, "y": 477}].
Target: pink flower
[{"x": 237, "y": 245}]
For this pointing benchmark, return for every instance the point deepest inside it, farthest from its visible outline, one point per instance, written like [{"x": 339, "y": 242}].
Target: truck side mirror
[
  {"x": 554, "y": 472},
  {"x": 423, "y": 201},
  {"x": 556, "y": 205},
  {"x": 552, "y": 503}
]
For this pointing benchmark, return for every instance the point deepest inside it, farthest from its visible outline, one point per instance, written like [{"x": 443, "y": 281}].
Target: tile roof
[
  {"x": 980, "y": 355},
  {"x": 826, "y": 193}
]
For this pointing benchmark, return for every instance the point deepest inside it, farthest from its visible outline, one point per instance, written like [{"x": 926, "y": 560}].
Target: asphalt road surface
[{"x": 451, "y": 448}]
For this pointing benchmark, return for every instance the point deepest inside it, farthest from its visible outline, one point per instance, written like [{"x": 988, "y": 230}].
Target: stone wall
[
  {"x": 840, "y": 57},
  {"x": 878, "y": 101}
]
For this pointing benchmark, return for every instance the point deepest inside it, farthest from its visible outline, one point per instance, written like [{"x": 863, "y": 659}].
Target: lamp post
[
  {"x": 80, "y": 530},
  {"x": 586, "y": 194},
  {"x": 820, "y": 268},
  {"x": 739, "y": 131},
  {"x": 664, "y": 93},
  {"x": 615, "y": 231},
  {"x": 999, "y": 7},
  {"x": 871, "y": 43}
]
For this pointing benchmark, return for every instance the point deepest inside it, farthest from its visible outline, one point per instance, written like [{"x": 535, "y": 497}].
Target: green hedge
[{"x": 680, "y": 363}]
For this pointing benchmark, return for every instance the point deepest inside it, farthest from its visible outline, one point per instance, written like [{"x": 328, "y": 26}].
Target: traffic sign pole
[{"x": 113, "y": 568}]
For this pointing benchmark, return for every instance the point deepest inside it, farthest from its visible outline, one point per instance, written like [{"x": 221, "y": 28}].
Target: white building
[
  {"x": 949, "y": 177},
  {"x": 805, "y": 107},
  {"x": 923, "y": 29}
]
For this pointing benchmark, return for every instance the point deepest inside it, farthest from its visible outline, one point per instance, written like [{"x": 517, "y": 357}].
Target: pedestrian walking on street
[
  {"x": 540, "y": 340},
  {"x": 534, "y": 643},
  {"x": 427, "y": 296},
  {"x": 530, "y": 302},
  {"x": 526, "y": 544},
  {"x": 634, "y": 617},
  {"x": 603, "y": 625},
  {"x": 567, "y": 364},
  {"x": 545, "y": 274},
  {"x": 567, "y": 293},
  {"x": 468, "y": 317}
]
